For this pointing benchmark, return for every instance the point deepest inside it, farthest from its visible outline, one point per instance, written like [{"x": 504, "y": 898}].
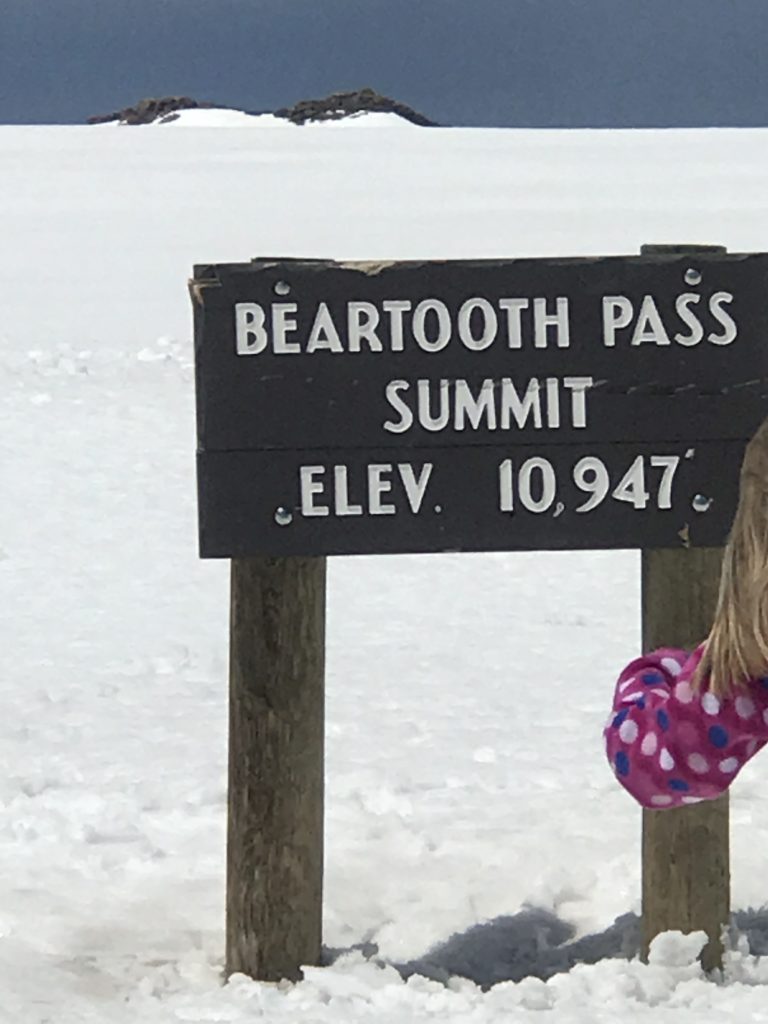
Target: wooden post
[
  {"x": 686, "y": 875},
  {"x": 685, "y": 852},
  {"x": 275, "y": 834}
]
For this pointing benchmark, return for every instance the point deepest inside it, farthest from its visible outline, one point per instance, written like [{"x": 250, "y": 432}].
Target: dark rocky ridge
[
  {"x": 344, "y": 104},
  {"x": 331, "y": 108},
  {"x": 149, "y": 110}
]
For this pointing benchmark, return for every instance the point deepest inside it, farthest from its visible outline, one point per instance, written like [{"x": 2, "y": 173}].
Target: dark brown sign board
[{"x": 501, "y": 405}]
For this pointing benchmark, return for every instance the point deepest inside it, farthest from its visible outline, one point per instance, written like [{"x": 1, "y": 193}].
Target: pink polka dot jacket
[{"x": 670, "y": 744}]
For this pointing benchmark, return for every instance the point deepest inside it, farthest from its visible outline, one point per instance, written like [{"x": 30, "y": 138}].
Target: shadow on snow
[{"x": 536, "y": 943}]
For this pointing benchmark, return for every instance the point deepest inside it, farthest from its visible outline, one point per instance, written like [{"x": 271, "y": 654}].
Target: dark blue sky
[{"x": 595, "y": 63}]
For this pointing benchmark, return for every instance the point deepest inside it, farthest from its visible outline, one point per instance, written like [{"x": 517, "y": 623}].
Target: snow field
[{"x": 466, "y": 694}]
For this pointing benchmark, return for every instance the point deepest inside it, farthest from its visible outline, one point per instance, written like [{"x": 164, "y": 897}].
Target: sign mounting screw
[
  {"x": 692, "y": 276},
  {"x": 701, "y": 503},
  {"x": 283, "y": 516},
  {"x": 282, "y": 288}
]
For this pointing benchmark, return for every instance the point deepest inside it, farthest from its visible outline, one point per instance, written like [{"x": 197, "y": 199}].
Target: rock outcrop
[
  {"x": 343, "y": 104},
  {"x": 149, "y": 110}
]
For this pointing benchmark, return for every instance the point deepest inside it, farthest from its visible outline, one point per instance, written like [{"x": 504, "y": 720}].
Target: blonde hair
[{"x": 737, "y": 647}]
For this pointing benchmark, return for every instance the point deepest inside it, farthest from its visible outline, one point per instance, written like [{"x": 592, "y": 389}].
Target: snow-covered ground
[
  {"x": 223, "y": 117},
  {"x": 465, "y": 772}
]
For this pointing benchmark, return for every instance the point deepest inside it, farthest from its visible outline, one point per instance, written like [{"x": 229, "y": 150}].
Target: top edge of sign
[{"x": 671, "y": 254}]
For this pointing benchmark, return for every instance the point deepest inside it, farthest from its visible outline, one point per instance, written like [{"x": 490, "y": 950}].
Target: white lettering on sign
[
  {"x": 343, "y": 507},
  {"x": 517, "y": 408},
  {"x": 730, "y": 331},
  {"x": 543, "y": 321},
  {"x": 331, "y": 491},
  {"x": 649, "y": 326},
  {"x": 536, "y": 322},
  {"x": 396, "y": 310},
  {"x": 415, "y": 486},
  {"x": 489, "y": 324},
  {"x": 250, "y": 331},
  {"x": 324, "y": 337},
  {"x": 283, "y": 323},
  {"x": 430, "y": 325},
  {"x": 533, "y": 486},
  {"x": 379, "y": 484},
  {"x": 309, "y": 486},
  {"x": 514, "y": 310},
  {"x": 362, "y": 320},
  {"x": 492, "y": 405},
  {"x": 473, "y": 409},
  {"x": 689, "y": 319},
  {"x": 528, "y": 486}
]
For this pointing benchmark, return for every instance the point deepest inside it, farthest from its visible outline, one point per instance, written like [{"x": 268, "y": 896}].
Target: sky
[{"x": 529, "y": 63}]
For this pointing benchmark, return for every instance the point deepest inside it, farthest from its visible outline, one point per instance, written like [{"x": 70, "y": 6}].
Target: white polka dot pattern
[
  {"x": 745, "y": 707},
  {"x": 628, "y": 731},
  {"x": 672, "y": 742},
  {"x": 684, "y": 692},
  {"x": 650, "y": 744},
  {"x": 710, "y": 703},
  {"x": 666, "y": 760}
]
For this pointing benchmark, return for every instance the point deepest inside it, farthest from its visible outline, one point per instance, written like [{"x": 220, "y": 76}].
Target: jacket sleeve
[{"x": 670, "y": 744}]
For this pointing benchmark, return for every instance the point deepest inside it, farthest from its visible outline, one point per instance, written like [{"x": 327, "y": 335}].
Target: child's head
[{"x": 737, "y": 648}]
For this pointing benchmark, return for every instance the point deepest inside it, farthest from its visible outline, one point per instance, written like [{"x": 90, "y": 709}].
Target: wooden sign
[{"x": 475, "y": 405}]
